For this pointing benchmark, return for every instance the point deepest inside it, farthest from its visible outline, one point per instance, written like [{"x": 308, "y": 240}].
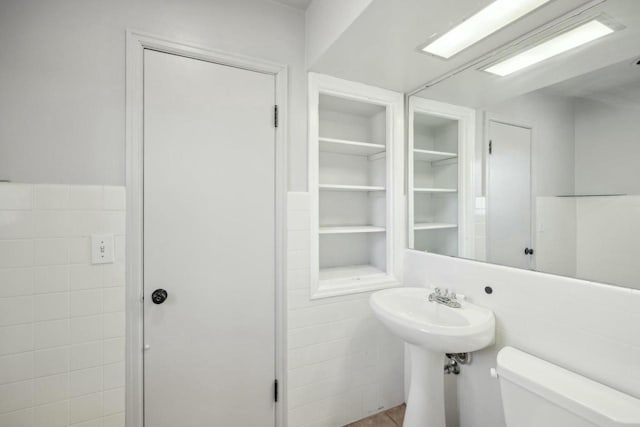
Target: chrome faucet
[{"x": 448, "y": 299}]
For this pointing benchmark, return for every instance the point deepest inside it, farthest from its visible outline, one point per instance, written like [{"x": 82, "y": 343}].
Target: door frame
[
  {"x": 136, "y": 43},
  {"x": 496, "y": 118}
]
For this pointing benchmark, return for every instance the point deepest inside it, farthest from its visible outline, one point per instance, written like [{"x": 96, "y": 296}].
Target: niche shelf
[
  {"x": 433, "y": 226},
  {"x": 337, "y": 187},
  {"x": 435, "y": 190},
  {"x": 432, "y": 156},
  {"x": 348, "y": 229},
  {"x": 355, "y": 155},
  {"x": 354, "y": 148},
  {"x": 440, "y": 214}
]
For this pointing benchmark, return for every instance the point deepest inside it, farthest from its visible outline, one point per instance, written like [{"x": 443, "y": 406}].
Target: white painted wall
[
  {"x": 343, "y": 365},
  {"x": 326, "y": 20},
  {"x": 62, "y": 110},
  {"x": 607, "y": 147},
  {"x": 569, "y": 322},
  {"x": 61, "y": 318}
]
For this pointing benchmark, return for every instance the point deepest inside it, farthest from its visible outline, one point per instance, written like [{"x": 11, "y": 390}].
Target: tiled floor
[{"x": 389, "y": 418}]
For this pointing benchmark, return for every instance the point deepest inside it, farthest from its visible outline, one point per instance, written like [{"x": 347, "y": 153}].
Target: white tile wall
[
  {"x": 342, "y": 364},
  {"x": 586, "y": 327},
  {"x": 61, "y": 319}
]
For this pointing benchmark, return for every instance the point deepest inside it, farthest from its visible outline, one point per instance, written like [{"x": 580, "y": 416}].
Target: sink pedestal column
[{"x": 425, "y": 404}]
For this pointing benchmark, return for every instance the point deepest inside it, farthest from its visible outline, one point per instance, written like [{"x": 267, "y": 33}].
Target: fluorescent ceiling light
[
  {"x": 489, "y": 20},
  {"x": 583, "y": 34}
]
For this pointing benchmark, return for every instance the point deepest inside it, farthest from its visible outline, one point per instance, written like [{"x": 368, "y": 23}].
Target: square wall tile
[
  {"x": 22, "y": 418},
  {"x": 51, "y": 306},
  {"x": 51, "y": 279},
  {"x": 116, "y": 420},
  {"x": 51, "y": 197},
  {"x": 16, "y": 396},
  {"x": 79, "y": 250},
  {"x": 16, "y": 339},
  {"x": 52, "y": 361},
  {"x": 113, "y": 299},
  {"x": 114, "y": 375},
  {"x": 16, "y": 282},
  {"x": 16, "y": 224},
  {"x": 85, "y": 303},
  {"x": 16, "y": 253},
  {"x": 53, "y": 333},
  {"x": 86, "y": 355},
  {"x": 114, "y": 325},
  {"x": 85, "y": 329},
  {"x": 114, "y": 198},
  {"x": 16, "y": 367},
  {"x": 113, "y": 401},
  {"x": 51, "y": 252},
  {"x": 85, "y": 276},
  {"x": 85, "y": 408},
  {"x": 16, "y": 196},
  {"x": 51, "y": 224},
  {"x": 16, "y": 310},
  {"x": 52, "y": 415},
  {"x": 50, "y": 389},
  {"x": 85, "y": 381},
  {"x": 114, "y": 350},
  {"x": 85, "y": 197}
]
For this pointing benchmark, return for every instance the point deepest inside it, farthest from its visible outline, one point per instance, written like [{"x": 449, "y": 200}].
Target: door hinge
[
  {"x": 275, "y": 115},
  {"x": 490, "y": 147},
  {"x": 275, "y": 390}
]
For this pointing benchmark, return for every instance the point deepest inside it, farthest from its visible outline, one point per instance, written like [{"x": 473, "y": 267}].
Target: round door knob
[
  {"x": 528, "y": 251},
  {"x": 159, "y": 296}
]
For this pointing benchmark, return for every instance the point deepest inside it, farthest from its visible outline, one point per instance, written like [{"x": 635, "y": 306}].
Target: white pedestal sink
[{"x": 431, "y": 330}]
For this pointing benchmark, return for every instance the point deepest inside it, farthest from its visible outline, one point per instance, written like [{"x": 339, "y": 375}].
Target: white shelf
[
  {"x": 354, "y": 148},
  {"x": 350, "y": 273},
  {"x": 433, "y": 226},
  {"x": 333, "y": 187},
  {"x": 352, "y": 229},
  {"x": 432, "y": 156},
  {"x": 435, "y": 190}
]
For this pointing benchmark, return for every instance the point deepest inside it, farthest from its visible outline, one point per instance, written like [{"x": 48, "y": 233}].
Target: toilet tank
[{"x": 536, "y": 393}]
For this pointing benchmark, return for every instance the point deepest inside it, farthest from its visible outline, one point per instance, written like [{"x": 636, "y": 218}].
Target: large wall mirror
[{"x": 554, "y": 164}]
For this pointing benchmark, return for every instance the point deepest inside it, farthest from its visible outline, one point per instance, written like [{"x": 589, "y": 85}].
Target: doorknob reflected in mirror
[{"x": 159, "y": 296}]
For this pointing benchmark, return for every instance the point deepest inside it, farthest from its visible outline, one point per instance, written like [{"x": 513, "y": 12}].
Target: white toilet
[{"x": 536, "y": 393}]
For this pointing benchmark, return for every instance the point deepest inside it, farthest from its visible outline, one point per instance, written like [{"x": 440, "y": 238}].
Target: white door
[
  {"x": 209, "y": 225},
  {"x": 509, "y": 196}
]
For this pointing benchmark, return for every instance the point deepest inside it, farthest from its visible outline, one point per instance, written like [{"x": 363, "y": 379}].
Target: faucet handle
[
  {"x": 437, "y": 291},
  {"x": 453, "y": 296}
]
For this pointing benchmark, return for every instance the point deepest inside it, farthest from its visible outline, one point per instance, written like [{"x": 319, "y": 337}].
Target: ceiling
[
  {"x": 298, "y": 4},
  {"x": 618, "y": 83},
  {"x": 381, "y": 48}
]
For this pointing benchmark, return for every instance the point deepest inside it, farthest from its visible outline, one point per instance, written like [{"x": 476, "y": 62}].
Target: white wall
[
  {"x": 607, "y": 147},
  {"x": 326, "y": 20},
  {"x": 343, "y": 365},
  {"x": 61, "y": 318},
  {"x": 586, "y": 327},
  {"x": 62, "y": 110}
]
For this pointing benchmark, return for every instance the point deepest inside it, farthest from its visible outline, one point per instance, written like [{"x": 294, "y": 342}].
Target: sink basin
[
  {"x": 431, "y": 329},
  {"x": 408, "y": 313}
]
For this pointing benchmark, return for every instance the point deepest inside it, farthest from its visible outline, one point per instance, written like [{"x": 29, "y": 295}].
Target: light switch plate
[{"x": 102, "y": 249}]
